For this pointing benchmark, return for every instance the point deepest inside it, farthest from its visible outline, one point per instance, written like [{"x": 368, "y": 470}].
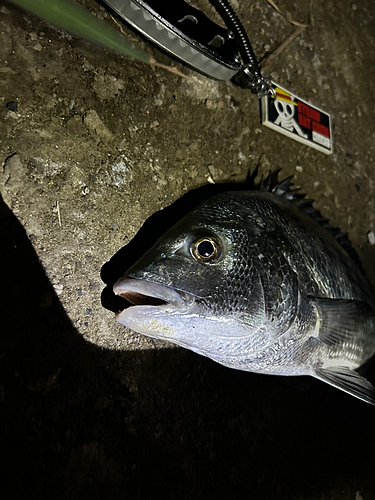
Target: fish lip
[{"x": 171, "y": 298}]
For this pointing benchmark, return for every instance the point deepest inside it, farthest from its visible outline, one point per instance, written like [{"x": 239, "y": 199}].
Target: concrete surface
[{"x": 95, "y": 144}]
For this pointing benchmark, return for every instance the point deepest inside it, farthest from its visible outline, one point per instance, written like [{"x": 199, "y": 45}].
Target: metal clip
[{"x": 250, "y": 77}]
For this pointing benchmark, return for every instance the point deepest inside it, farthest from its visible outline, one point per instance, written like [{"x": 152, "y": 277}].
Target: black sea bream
[{"x": 251, "y": 280}]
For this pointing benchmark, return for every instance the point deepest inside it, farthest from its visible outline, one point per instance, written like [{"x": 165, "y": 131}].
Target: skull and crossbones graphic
[{"x": 286, "y": 112}]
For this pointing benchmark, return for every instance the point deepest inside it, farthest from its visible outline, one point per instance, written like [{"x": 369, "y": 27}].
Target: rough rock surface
[{"x": 92, "y": 144}]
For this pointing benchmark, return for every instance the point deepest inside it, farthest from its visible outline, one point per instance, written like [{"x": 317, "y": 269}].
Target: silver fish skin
[{"x": 251, "y": 281}]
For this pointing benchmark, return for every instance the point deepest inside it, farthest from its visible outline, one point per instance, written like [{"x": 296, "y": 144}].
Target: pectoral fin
[
  {"x": 344, "y": 321},
  {"x": 349, "y": 381}
]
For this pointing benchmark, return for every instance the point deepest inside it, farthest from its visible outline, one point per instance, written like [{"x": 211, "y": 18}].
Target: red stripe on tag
[
  {"x": 282, "y": 96},
  {"x": 321, "y": 129}
]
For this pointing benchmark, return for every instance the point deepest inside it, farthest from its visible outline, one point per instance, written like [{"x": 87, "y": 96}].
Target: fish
[{"x": 257, "y": 280}]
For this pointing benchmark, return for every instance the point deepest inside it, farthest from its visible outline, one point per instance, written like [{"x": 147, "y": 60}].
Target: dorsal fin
[{"x": 284, "y": 189}]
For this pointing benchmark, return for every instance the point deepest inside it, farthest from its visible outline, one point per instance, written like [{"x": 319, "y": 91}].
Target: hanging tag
[{"x": 288, "y": 114}]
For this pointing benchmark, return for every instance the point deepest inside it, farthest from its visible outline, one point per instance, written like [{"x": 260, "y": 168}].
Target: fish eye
[{"x": 205, "y": 249}]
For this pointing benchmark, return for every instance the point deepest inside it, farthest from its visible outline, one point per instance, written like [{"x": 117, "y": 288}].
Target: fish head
[{"x": 198, "y": 286}]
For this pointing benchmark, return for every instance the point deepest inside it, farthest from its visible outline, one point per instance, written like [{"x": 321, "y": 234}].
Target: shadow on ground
[{"x": 79, "y": 422}]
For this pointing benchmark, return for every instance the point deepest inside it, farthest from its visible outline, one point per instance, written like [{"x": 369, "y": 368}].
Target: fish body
[{"x": 251, "y": 280}]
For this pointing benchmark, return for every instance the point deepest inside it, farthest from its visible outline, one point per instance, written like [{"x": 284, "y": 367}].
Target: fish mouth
[{"x": 152, "y": 297}]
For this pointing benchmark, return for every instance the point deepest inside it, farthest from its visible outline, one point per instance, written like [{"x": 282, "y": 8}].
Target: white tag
[{"x": 288, "y": 114}]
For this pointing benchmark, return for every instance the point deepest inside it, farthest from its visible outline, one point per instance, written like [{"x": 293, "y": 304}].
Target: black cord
[{"x": 234, "y": 24}]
